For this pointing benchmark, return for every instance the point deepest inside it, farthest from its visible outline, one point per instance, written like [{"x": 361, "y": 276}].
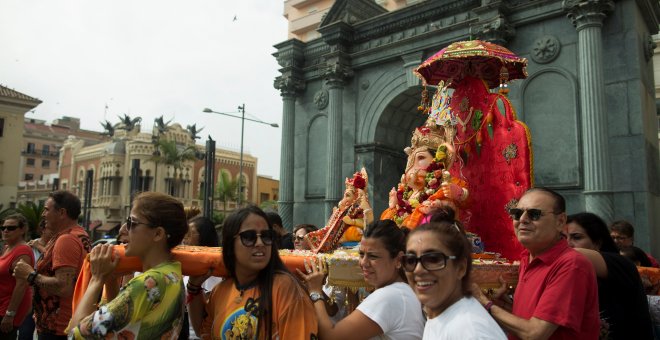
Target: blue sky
[{"x": 149, "y": 58}]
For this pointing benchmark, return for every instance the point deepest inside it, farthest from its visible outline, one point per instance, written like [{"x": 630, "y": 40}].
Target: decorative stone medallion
[
  {"x": 546, "y": 49},
  {"x": 321, "y": 99}
]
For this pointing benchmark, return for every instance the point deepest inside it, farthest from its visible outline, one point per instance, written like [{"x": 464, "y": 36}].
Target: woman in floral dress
[{"x": 150, "y": 306}]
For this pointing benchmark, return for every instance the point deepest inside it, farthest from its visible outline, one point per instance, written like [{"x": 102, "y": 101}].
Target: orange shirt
[
  {"x": 68, "y": 249},
  {"x": 232, "y": 315}
]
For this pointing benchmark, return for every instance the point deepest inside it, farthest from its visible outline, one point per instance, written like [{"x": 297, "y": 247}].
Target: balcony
[{"x": 107, "y": 202}]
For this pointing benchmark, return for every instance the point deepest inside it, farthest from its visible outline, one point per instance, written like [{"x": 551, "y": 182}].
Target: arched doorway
[{"x": 384, "y": 157}]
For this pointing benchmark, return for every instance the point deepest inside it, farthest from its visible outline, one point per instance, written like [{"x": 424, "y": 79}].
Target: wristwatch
[
  {"x": 315, "y": 296},
  {"x": 10, "y": 313},
  {"x": 32, "y": 277}
]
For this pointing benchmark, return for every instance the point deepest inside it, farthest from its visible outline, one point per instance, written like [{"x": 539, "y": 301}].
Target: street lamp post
[{"x": 243, "y": 119}]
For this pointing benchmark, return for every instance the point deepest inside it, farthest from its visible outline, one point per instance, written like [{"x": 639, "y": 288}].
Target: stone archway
[{"x": 383, "y": 156}]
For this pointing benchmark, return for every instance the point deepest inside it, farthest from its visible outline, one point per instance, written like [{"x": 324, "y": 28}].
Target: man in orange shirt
[{"x": 57, "y": 270}]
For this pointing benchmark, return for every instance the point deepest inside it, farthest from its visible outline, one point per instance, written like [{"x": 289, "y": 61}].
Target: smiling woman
[
  {"x": 437, "y": 264},
  {"x": 391, "y": 311},
  {"x": 260, "y": 298}
]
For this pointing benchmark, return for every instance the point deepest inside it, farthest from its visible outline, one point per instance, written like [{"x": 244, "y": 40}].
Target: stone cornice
[
  {"x": 407, "y": 17},
  {"x": 352, "y": 11},
  {"x": 587, "y": 13},
  {"x": 650, "y": 11}
]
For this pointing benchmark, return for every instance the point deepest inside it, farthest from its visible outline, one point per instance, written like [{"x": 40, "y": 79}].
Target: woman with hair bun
[
  {"x": 391, "y": 311},
  {"x": 437, "y": 264},
  {"x": 150, "y": 306}
]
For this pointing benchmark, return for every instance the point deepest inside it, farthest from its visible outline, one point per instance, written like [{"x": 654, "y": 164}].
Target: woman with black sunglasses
[
  {"x": 260, "y": 299},
  {"x": 437, "y": 264},
  {"x": 391, "y": 311},
  {"x": 150, "y": 306},
  {"x": 15, "y": 295}
]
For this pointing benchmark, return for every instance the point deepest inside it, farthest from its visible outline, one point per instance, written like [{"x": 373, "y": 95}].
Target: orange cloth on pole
[{"x": 194, "y": 261}]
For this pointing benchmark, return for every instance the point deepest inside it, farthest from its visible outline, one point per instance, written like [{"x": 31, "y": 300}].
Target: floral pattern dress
[{"x": 150, "y": 306}]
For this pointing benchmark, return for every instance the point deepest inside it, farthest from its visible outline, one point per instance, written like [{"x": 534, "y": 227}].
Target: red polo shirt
[{"x": 559, "y": 286}]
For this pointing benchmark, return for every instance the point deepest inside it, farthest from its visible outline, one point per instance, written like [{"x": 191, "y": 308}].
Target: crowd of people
[{"x": 577, "y": 279}]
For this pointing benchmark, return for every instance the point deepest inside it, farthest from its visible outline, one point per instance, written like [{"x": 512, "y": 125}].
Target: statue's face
[
  {"x": 349, "y": 196},
  {"x": 418, "y": 161}
]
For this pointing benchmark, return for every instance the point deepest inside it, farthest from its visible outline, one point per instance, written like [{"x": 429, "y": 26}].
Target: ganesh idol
[
  {"x": 348, "y": 218},
  {"x": 427, "y": 184}
]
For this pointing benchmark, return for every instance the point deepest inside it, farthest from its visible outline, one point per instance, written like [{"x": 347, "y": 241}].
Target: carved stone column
[
  {"x": 493, "y": 25},
  {"x": 336, "y": 75},
  {"x": 290, "y": 84},
  {"x": 587, "y": 16}
]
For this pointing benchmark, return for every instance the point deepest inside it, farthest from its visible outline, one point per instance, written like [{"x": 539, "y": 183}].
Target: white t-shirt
[
  {"x": 396, "y": 310},
  {"x": 466, "y": 319}
]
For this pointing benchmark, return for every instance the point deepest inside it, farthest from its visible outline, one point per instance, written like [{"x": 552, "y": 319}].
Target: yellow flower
[
  {"x": 413, "y": 202},
  {"x": 441, "y": 153}
]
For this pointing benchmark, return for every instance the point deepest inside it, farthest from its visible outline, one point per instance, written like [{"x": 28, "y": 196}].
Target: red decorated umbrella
[{"x": 475, "y": 58}]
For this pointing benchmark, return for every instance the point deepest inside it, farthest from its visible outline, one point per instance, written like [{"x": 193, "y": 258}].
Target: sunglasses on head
[
  {"x": 9, "y": 228},
  {"x": 430, "y": 261},
  {"x": 249, "y": 237},
  {"x": 130, "y": 223},
  {"x": 533, "y": 214}
]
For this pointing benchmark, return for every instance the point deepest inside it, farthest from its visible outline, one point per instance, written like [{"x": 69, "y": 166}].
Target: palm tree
[
  {"x": 32, "y": 213},
  {"x": 173, "y": 155},
  {"x": 227, "y": 189}
]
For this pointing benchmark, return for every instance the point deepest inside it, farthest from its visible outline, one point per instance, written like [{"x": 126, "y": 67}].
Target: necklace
[
  {"x": 242, "y": 288},
  {"x": 466, "y": 121}
]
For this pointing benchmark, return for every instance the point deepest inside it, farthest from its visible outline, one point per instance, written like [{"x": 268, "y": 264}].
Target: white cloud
[{"x": 149, "y": 58}]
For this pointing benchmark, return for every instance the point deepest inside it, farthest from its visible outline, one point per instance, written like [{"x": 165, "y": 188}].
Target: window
[
  {"x": 45, "y": 163},
  {"x": 30, "y": 162},
  {"x": 29, "y": 177},
  {"x": 2, "y": 127},
  {"x": 45, "y": 150},
  {"x": 31, "y": 148},
  {"x": 264, "y": 197}
]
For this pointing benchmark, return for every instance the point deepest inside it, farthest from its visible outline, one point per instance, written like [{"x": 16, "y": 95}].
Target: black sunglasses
[
  {"x": 533, "y": 214},
  {"x": 9, "y": 228},
  {"x": 130, "y": 224},
  {"x": 430, "y": 261},
  {"x": 249, "y": 237},
  {"x": 298, "y": 238}
]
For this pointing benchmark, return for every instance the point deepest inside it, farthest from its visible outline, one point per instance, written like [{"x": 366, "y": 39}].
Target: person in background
[
  {"x": 636, "y": 255},
  {"x": 557, "y": 295},
  {"x": 15, "y": 294},
  {"x": 285, "y": 238},
  {"x": 299, "y": 233},
  {"x": 623, "y": 234},
  {"x": 57, "y": 270},
  {"x": 438, "y": 262},
  {"x": 26, "y": 331},
  {"x": 151, "y": 305},
  {"x": 624, "y": 311},
  {"x": 260, "y": 299},
  {"x": 392, "y": 311},
  {"x": 201, "y": 232}
]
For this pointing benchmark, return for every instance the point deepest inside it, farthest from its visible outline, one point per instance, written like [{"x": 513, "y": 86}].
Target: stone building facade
[
  {"x": 350, "y": 99},
  {"x": 111, "y": 164},
  {"x": 40, "y": 151},
  {"x": 13, "y": 106}
]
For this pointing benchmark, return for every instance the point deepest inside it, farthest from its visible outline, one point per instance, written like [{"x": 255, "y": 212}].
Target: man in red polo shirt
[{"x": 557, "y": 293}]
